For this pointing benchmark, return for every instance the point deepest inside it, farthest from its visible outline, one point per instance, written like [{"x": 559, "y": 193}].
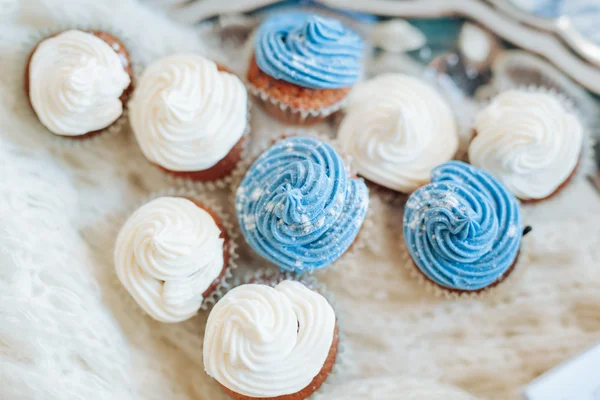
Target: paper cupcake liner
[
  {"x": 276, "y": 107},
  {"x": 226, "y": 219},
  {"x": 369, "y": 235},
  {"x": 289, "y": 114},
  {"x": 518, "y": 68},
  {"x": 506, "y": 285},
  {"x": 271, "y": 277},
  {"x": 366, "y": 238},
  {"x": 388, "y": 196},
  {"x": 586, "y": 164},
  {"x": 105, "y": 134},
  {"x": 366, "y": 233}
]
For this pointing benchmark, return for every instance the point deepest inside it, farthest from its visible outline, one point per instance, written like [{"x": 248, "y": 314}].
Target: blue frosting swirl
[
  {"x": 297, "y": 207},
  {"x": 308, "y": 50},
  {"x": 464, "y": 229}
]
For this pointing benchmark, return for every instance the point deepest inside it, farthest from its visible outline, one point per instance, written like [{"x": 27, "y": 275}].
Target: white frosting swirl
[
  {"x": 75, "y": 82},
  {"x": 265, "y": 342},
  {"x": 187, "y": 115},
  {"x": 167, "y": 254},
  {"x": 397, "y": 129},
  {"x": 529, "y": 141}
]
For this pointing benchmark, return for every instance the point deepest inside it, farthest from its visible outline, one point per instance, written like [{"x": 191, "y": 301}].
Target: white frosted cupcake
[
  {"x": 170, "y": 255},
  {"x": 78, "y": 82},
  {"x": 397, "y": 129},
  {"x": 529, "y": 141},
  {"x": 271, "y": 342},
  {"x": 189, "y": 117}
]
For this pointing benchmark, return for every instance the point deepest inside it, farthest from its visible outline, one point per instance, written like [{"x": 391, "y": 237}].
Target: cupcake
[
  {"x": 463, "y": 230},
  {"x": 190, "y": 118},
  {"x": 78, "y": 82},
  {"x": 397, "y": 129},
  {"x": 303, "y": 66},
  {"x": 170, "y": 255},
  {"x": 265, "y": 342},
  {"x": 529, "y": 141},
  {"x": 298, "y": 207}
]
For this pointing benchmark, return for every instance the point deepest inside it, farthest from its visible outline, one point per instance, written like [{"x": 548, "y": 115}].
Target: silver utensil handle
[{"x": 581, "y": 45}]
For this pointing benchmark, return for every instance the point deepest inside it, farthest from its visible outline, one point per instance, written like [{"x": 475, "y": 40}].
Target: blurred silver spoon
[{"x": 562, "y": 26}]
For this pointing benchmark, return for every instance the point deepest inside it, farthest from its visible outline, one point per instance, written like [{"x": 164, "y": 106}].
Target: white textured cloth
[{"x": 68, "y": 330}]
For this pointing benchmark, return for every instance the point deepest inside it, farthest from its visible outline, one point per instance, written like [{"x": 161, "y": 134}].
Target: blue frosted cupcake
[
  {"x": 464, "y": 229},
  {"x": 303, "y": 66},
  {"x": 298, "y": 208}
]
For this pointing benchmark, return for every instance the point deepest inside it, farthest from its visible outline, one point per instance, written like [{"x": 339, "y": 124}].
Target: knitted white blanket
[{"x": 68, "y": 330}]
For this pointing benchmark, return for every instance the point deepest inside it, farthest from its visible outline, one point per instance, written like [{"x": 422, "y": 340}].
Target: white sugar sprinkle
[{"x": 256, "y": 194}]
